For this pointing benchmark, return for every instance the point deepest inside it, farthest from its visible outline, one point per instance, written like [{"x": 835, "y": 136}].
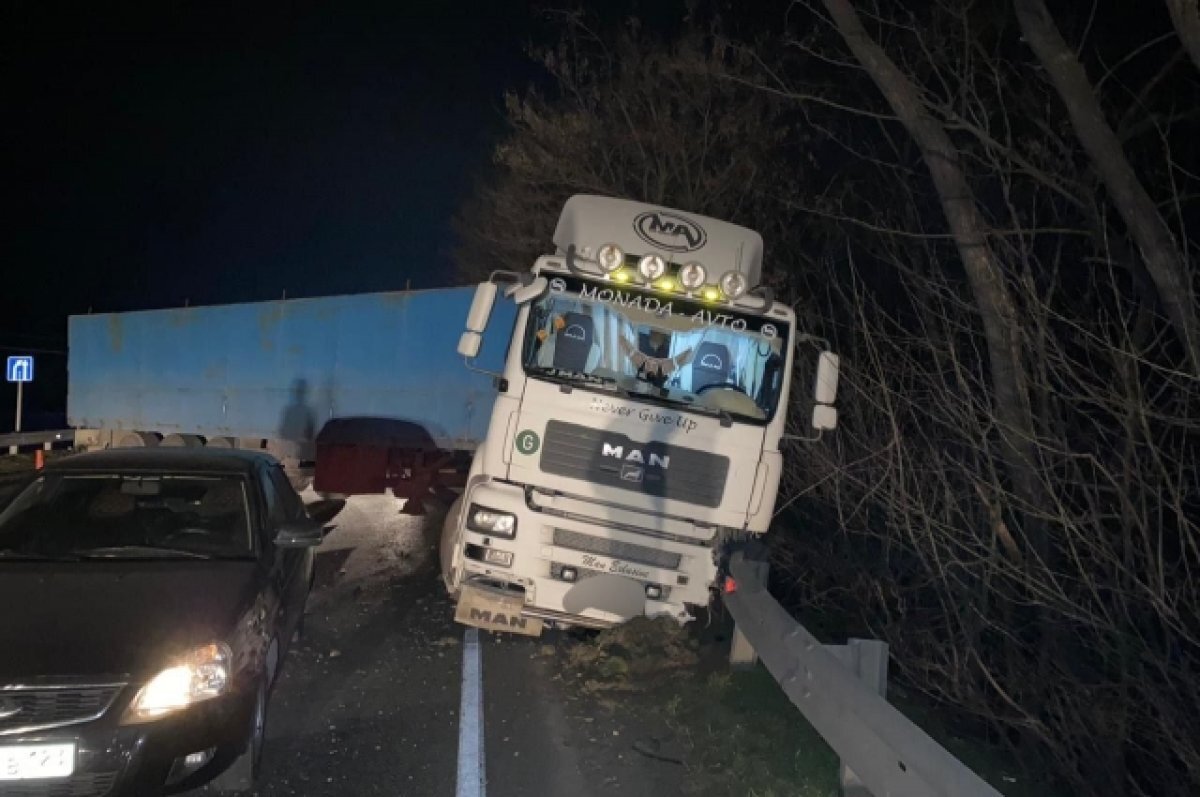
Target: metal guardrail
[
  {"x": 17, "y": 440},
  {"x": 885, "y": 752}
]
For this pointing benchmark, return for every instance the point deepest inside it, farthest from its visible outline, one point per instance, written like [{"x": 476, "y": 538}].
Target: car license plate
[{"x": 27, "y": 761}]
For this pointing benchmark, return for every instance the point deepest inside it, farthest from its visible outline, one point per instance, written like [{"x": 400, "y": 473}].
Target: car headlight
[
  {"x": 489, "y": 521},
  {"x": 201, "y": 675}
]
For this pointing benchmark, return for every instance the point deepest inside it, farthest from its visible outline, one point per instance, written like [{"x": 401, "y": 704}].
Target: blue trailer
[{"x": 299, "y": 377}]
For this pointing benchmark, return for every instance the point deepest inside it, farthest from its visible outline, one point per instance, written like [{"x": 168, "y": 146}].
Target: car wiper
[
  {"x": 26, "y": 556},
  {"x": 137, "y": 551}
]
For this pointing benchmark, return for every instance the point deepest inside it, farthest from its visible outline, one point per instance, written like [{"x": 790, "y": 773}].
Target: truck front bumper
[{"x": 575, "y": 570}]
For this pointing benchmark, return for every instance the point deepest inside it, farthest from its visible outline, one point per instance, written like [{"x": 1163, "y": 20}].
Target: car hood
[{"x": 115, "y": 618}]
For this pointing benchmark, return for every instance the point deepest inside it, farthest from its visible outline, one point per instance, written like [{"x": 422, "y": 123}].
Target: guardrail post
[
  {"x": 741, "y": 652},
  {"x": 868, "y": 659}
]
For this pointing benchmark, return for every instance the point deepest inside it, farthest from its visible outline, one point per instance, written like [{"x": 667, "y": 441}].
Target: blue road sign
[{"x": 20, "y": 368}]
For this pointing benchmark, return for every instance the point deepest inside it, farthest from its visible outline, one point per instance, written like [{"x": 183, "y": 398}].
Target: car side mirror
[
  {"x": 326, "y": 509},
  {"x": 299, "y": 534}
]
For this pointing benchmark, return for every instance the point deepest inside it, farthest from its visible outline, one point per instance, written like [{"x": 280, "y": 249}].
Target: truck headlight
[
  {"x": 489, "y": 521},
  {"x": 201, "y": 675}
]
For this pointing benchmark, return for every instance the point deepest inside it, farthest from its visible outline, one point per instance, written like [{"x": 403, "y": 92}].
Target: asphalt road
[{"x": 370, "y": 700}]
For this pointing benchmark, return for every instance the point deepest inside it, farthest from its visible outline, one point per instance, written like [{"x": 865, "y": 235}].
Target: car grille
[
  {"x": 46, "y": 707},
  {"x": 641, "y": 554},
  {"x": 83, "y": 785}
]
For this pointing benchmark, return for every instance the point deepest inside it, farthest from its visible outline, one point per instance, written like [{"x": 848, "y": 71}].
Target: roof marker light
[
  {"x": 692, "y": 276},
  {"x": 733, "y": 284},
  {"x": 652, "y": 267},
  {"x": 610, "y": 257}
]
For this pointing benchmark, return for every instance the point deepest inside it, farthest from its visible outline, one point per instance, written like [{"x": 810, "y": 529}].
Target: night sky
[{"x": 215, "y": 152}]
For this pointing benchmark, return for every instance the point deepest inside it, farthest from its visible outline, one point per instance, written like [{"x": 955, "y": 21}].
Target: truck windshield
[{"x": 657, "y": 347}]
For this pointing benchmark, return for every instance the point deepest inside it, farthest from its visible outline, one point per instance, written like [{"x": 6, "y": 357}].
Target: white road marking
[{"x": 471, "y": 773}]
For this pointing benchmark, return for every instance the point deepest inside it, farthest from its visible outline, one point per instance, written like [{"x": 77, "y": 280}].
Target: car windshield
[
  {"x": 657, "y": 347},
  {"x": 127, "y": 516}
]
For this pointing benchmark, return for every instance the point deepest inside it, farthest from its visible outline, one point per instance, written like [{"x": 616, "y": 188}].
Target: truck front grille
[
  {"x": 641, "y": 554},
  {"x": 613, "y": 460}
]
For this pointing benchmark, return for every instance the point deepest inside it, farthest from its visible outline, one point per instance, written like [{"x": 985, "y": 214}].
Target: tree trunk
[
  {"x": 1185, "y": 15},
  {"x": 1147, "y": 227},
  {"x": 995, "y": 304}
]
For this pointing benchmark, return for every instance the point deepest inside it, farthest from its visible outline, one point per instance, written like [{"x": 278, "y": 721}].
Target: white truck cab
[{"x": 637, "y": 429}]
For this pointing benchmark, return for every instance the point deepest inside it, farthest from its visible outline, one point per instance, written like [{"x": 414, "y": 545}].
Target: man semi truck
[
  {"x": 636, "y": 434},
  {"x": 608, "y": 459}
]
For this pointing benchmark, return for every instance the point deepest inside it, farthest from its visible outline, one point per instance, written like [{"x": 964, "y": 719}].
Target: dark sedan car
[{"x": 148, "y": 598}]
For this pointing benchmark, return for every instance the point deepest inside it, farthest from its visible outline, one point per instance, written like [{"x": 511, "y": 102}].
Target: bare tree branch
[
  {"x": 1185, "y": 15},
  {"x": 1148, "y": 228}
]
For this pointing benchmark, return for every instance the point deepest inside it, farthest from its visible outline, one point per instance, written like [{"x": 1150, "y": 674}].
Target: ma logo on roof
[{"x": 669, "y": 231}]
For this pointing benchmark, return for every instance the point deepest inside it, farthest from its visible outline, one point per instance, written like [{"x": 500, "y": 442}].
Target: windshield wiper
[
  {"x": 138, "y": 551},
  {"x": 572, "y": 379},
  {"x": 26, "y": 556},
  {"x": 726, "y": 418}
]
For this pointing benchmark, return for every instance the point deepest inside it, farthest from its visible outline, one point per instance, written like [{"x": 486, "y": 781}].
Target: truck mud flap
[{"x": 495, "y": 610}]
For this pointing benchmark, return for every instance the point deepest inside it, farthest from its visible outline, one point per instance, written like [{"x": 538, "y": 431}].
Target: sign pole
[
  {"x": 12, "y": 450},
  {"x": 19, "y": 369}
]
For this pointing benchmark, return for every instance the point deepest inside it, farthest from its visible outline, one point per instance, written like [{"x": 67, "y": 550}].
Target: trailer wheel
[{"x": 449, "y": 544}]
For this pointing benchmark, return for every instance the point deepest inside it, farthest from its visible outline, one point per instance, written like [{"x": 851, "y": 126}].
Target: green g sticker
[{"x": 528, "y": 442}]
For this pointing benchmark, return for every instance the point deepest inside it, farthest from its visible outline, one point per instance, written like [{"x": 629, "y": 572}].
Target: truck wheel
[{"x": 449, "y": 543}]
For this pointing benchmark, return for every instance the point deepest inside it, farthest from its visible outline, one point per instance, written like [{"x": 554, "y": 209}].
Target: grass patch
[
  {"x": 18, "y": 464},
  {"x": 633, "y": 656},
  {"x": 748, "y": 739},
  {"x": 736, "y": 732},
  {"x": 15, "y": 464},
  {"x": 732, "y": 733}
]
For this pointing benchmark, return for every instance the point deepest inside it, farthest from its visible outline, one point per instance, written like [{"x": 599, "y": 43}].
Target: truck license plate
[
  {"x": 26, "y": 761},
  {"x": 493, "y": 610}
]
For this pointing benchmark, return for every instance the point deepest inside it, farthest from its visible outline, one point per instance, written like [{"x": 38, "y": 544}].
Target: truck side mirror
[
  {"x": 469, "y": 344},
  {"x": 825, "y": 392},
  {"x": 827, "y": 378},
  {"x": 477, "y": 319},
  {"x": 481, "y": 307}
]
